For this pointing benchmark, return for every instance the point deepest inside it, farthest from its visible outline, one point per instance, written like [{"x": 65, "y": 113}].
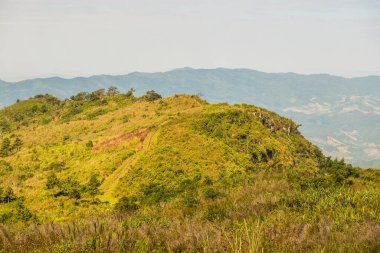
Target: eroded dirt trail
[{"x": 112, "y": 181}]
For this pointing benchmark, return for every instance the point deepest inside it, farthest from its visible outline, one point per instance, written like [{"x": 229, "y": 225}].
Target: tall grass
[{"x": 265, "y": 216}]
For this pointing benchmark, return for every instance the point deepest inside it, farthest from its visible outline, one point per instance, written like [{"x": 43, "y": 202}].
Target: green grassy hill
[{"x": 114, "y": 172}]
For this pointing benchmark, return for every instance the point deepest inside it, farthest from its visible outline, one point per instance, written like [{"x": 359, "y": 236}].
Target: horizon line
[{"x": 184, "y": 68}]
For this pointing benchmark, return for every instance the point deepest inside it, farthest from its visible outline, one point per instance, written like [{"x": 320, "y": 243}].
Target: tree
[
  {"x": 52, "y": 181},
  {"x": 81, "y": 96},
  {"x": 5, "y": 166},
  {"x": 126, "y": 204},
  {"x": 89, "y": 144},
  {"x": 23, "y": 213},
  {"x": 70, "y": 187},
  {"x": 7, "y": 195},
  {"x": 34, "y": 109},
  {"x": 93, "y": 187},
  {"x": 17, "y": 144},
  {"x": 98, "y": 94},
  {"x": 152, "y": 95},
  {"x": 44, "y": 109},
  {"x": 5, "y": 147},
  {"x": 4, "y": 126},
  {"x": 57, "y": 166},
  {"x": 130, "y": 93},
  {"x": 112, "y": 91}
]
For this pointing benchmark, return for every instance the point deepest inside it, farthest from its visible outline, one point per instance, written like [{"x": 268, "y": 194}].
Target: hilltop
[
  {"x": 337, "y": 114},
  {"x": 125, "y": 173}
]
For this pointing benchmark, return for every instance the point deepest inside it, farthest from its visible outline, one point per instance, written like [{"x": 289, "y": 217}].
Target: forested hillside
[{"x": 106, "y": 171}]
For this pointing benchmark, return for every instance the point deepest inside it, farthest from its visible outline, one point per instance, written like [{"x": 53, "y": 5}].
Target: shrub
[
  {"x": 4, "y": 126},
  {"x": 95, "y": 114},
  {"x": 92, "y": 186},
  {"x": 97, "y": 95},
  {"x": 125, "y": 119},
  {"x": 81, "y": 96},
  {"x": 19, "y": 212},
  {"x": 71, "y": 112},
  {"x": 126, "y": 204},
  {"x": 57, "y": 166},
  {"x": 7, "y": 195},
  {"x": 190, "y": 199},
  {"x": 5, "y": 148},
  {"x": 52, "y": 181},
  {"x": 71, "y": 188},
  {"x": 339, "y": 170},
  {"x": 23, "y": 213},
  {"x": 154, "y": 193},
  {"x": 25, "y": 176},
  {"x": 89, "y": 144},
  {"x": 130, "y": 93},
  {"x": 5, "y": 166},
  {"x": 112, "y": 91},
  {"x": 152, "y": 96},
  {"x": 211, "y": 193}
]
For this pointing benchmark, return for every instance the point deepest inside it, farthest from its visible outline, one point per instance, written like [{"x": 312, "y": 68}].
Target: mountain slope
[
  {"x": 124, "y": 173},
  {"x": 140, "y": 137},
  {"x": 326, "y": 106}
]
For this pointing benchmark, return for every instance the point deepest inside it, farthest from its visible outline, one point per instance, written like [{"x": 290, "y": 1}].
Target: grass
[
  {"x": 258, "y": 217},
  {"x": 194, "y": 177}
]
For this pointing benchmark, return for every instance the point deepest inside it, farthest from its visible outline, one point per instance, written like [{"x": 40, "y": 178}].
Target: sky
[{"x": 69, "y": 38}]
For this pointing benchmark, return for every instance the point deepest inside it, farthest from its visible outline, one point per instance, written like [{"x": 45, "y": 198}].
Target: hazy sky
[{"x": 68, "y": 38}]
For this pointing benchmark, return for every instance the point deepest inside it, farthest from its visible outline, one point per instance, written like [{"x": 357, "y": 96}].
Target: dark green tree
[
  {"x": 130, "y": 93},
  {"x": 4, "y": 126},
  {"x": 93, "y": 187},
  {"x": 23, "y": 213},
  {"x": 98, "y": 94},
  {"x": 52, "y": 181},
  {"x": 89, "y": 144},
  {"x": 152, "y": 95},
  {"x": 81, "y": 96},
  {"x": 126, "y": 204},
  {"x": 5, "y": 147},
  {"x": 44, "y": 109},
  {"x": 70, "y": 187},
  {"x": 7, "y": 195},
  {"x": 17, "y": 144},
  {"x": 112, "y": 91}
]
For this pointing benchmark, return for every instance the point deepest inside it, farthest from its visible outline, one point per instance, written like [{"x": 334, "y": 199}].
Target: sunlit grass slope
[{"x": 243, "y": 177}]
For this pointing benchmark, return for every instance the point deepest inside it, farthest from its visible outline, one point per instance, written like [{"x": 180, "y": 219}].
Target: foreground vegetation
[{"x": 111, "y": 172}]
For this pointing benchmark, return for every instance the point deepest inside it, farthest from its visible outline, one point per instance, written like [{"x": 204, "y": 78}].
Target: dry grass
[{"x": 208, "y": 194}]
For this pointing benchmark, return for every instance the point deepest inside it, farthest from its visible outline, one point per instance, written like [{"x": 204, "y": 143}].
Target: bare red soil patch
[{"x": 141, "y": 134}]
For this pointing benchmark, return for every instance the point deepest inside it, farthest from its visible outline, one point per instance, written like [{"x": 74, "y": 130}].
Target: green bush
[
  {"x": 126, "y": 204},
  {"x": 71, "y": 188},
  {"x": 190, "y": 199},
  {"x": 52, "y": 181},
  {"x": 211, "y": 193},
  {"x": 5, "y": 166},
  {"x": 89, "y": 144},
  {"x": 92, "y": 186},
  {"x": 152, "y": 96},
  {"x": 7, "y": 195},
  {"x": 57, "y": 166},
  {"x": 18, "y": 213},
  {"x": 95, "y": 114},
  {"x": 155, "y": 193}
]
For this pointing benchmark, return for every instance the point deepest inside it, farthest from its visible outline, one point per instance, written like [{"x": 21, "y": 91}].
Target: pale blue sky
[{"x": 40, "y": 38}]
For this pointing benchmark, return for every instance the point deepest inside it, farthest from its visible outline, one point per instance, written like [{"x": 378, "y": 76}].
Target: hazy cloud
[{"x": 70, "y": 38}]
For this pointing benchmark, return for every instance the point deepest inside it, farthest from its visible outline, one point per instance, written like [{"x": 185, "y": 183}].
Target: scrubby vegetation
[{"x": 110, "y": 172}]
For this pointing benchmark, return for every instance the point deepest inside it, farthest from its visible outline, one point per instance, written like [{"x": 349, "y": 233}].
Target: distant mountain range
[{"x": 340, "y": 115}]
